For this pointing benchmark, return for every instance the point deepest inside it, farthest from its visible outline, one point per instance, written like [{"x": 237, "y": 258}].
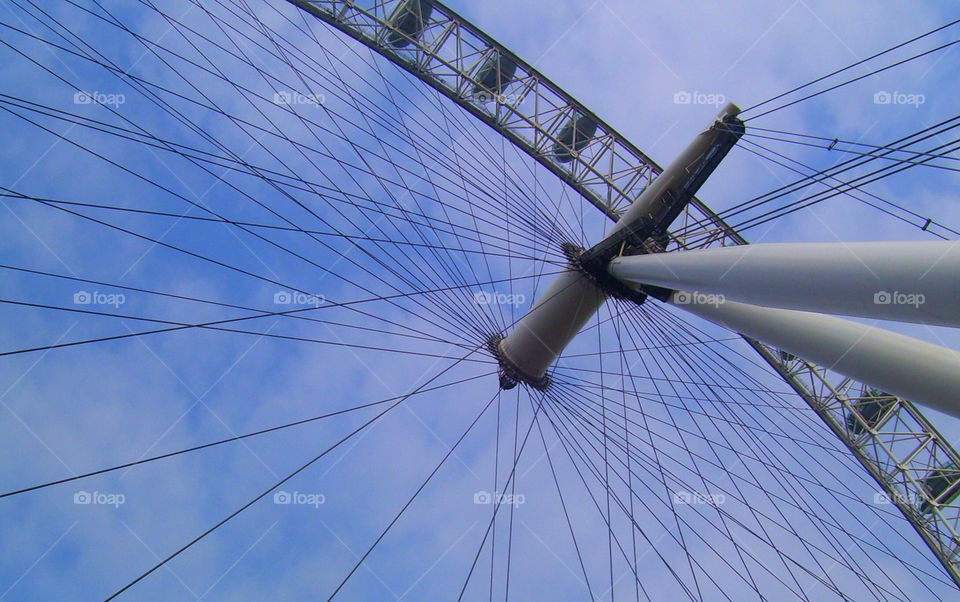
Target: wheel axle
[{"x": 576, "y": 295}]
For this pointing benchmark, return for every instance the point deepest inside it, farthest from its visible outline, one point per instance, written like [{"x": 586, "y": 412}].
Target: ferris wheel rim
[
  {"x": 418, "y": 69},
  {"x": 862, "y": 416}
]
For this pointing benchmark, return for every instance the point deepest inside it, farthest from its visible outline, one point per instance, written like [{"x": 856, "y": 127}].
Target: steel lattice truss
[
  {"x": 610, "y": 172},
  {"x": 893, "y": 441},
  {"x": 917, "y": 469}
]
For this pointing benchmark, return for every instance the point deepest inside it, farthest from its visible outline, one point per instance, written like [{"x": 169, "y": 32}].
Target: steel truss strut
[{"x": 916, "y": 468}]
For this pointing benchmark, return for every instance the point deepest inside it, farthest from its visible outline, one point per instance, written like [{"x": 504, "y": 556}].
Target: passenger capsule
[
  {"x": 574, "y": 137},
  {"x": 785, "y": 356},
  {"x": 872, "y": 408},
  {"x": 407, "y": 22},
  {"x": 494, "y": 76},
  {"x": 937, "y": 482}
]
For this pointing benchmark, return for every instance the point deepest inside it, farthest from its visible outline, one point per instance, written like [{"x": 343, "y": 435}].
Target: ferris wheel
[{"x": 347, "y": 300}]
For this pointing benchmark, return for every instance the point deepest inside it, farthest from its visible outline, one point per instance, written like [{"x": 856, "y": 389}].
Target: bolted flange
[{"x": 510, "y": 374}]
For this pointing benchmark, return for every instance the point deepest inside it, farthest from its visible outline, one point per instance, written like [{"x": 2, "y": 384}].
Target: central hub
[
  {"x": 594, "y": 267},
  {"x": 570, "y": 302},
  {"x": 574, "y": 297}
]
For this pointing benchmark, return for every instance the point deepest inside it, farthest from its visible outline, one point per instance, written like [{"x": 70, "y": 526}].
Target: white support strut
[
  {"x": 910, "y": 368},
  {"x": 903, "y": 281}
]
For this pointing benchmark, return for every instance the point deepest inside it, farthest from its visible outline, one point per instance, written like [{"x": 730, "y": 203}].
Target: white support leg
[
  {"x": 909, "y": 368},
  {"x": 902, "y": 281}
]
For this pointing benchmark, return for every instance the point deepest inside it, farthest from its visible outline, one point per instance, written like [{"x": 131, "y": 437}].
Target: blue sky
[{"x": 80, "y": 408}]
